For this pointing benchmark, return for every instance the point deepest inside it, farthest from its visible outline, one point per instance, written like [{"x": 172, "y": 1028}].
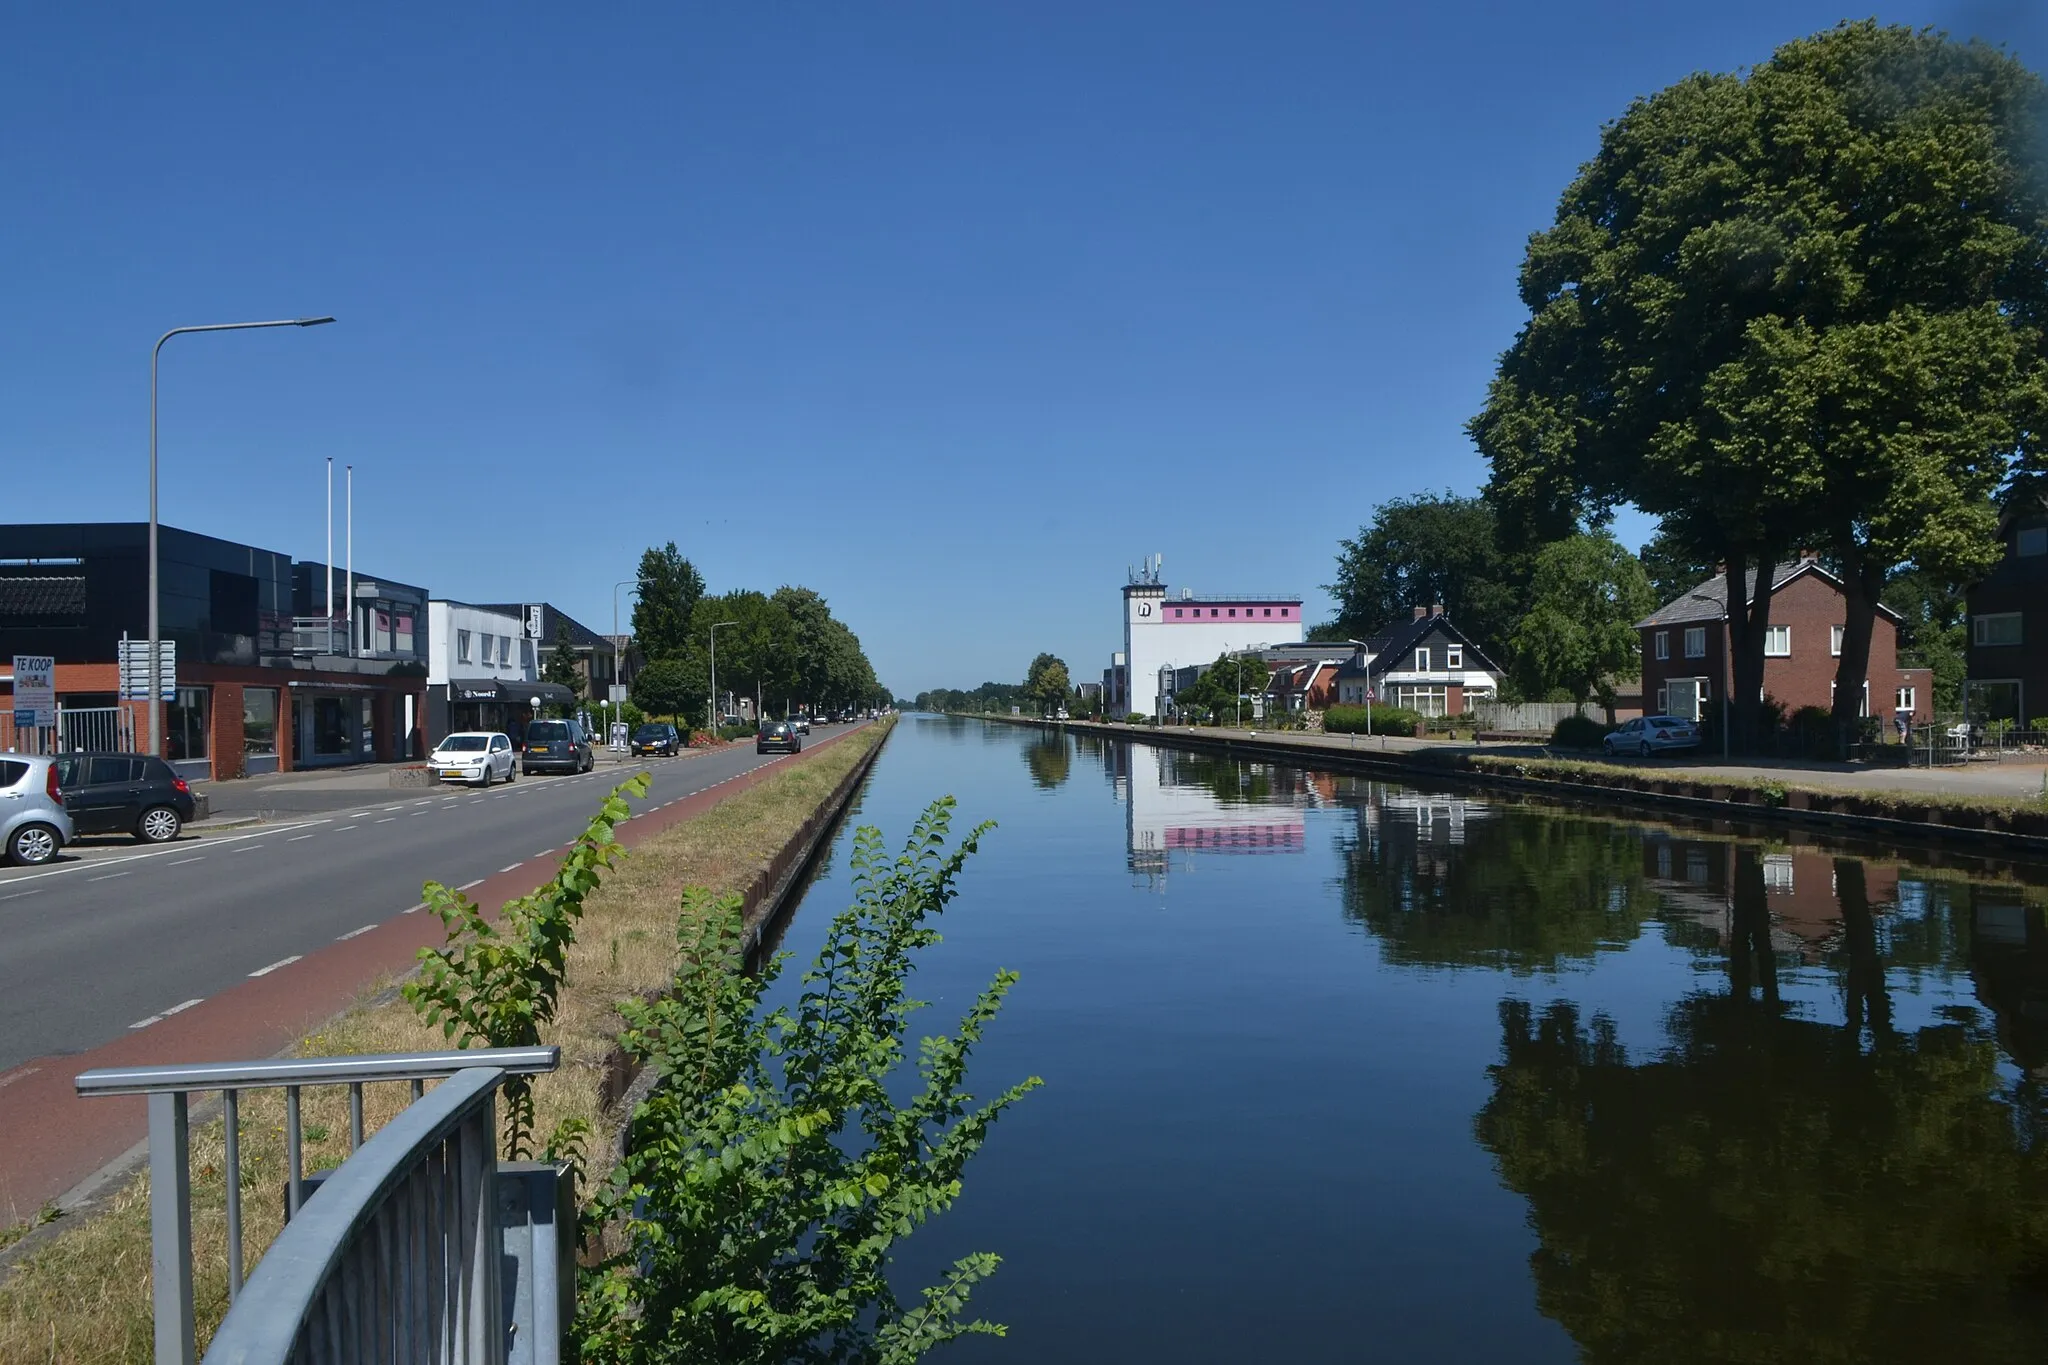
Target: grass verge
[{"x": 82, "y": 1297}]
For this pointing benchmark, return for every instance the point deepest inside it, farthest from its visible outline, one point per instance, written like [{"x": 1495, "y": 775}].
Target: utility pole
[{"x": 715, "y": 628}]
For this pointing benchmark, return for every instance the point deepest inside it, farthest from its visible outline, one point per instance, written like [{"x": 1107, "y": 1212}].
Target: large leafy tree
[
  {"x": 1046, "y": 682},
  {"x": 756, "y": 653},
  {"x": 1933, "y": 631},
  {"x": 1578, "y": 632},
  {"x": 1799, "y": 305},
  {"x": 670, "y": 588},
  {"x": 1435, "y": 547},
  {"x": 1671, "y": 566},
  {"x": 674, "y": 687}
]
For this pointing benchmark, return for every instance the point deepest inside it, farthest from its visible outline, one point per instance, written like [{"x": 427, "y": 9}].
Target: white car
[
  {"x": 801, "y": 724},
  {"x": 478, "y": 757},
  {"x": 1650, "y": 734}
]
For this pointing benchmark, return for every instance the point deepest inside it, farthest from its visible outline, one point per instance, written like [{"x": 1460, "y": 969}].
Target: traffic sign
[
  {"x": 35, "y": 691},
  {"x": 134, "y": 660}
]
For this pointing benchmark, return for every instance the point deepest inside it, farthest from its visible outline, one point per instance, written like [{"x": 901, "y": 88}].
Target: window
[
  {"x": 1662, "y": 641},
  {"x": 186, "y": 722},
  {"x": 504, "y": 649},
  {"x": 1179, "y": 612},
  {"x": 1777, "y": 642},
  {"x": 1695, "y": 642},
  {"x": 1284, "y": 611},
  {"x": 1454, "y": 656},
  {"x": 1269, "y": 611},
  {"x": 1904, "y": 700},
  {"x": 259, "y": 721},
  {"x": 1422, "y": 659},
  {"x": 1430, "y": 701},
  {"x": 462, "y": 646},
  {"x": 2031, "y": 541},
  {"x": 1233, "y": 611},
  {"x": 1999, "y": 628},
  {"x": 1214, "y": 612},
  {"x": 1835, "y": 640}
]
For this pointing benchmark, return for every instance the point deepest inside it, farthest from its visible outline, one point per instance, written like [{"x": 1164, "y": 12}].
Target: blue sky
[{"x": 948, "y": 311}]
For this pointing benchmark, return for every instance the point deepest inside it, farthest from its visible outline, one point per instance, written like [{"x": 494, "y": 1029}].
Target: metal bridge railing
[{"x": 400, "y": 1257}]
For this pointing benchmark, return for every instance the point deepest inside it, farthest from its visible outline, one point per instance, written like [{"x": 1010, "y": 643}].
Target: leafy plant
[
  {"x": 1579, "y": 732},
  {"x": 495, "y": 985},
  {"x": 1384, "y": 720},
  {"x": 771, "y": 1170},
  {"x": 1772, "y": 794}
]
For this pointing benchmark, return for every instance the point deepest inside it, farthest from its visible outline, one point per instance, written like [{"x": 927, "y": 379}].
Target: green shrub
[
  {"x": 1385, "y": 720},
  {"x": 1579, "y": 732},
  {"x": 1135, "y": 718}
]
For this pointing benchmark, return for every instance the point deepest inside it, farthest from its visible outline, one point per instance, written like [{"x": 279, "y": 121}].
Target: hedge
[
  {"x": 1579, "y": 732},
  {"x": 1386, "y": 720}
]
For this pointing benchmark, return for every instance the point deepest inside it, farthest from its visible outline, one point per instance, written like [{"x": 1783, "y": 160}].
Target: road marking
[
  {"x": 296, "y": 837},
  {"x": 17, "y": 895},
  {"x": 345, "y": 829},
  {"x": 182, "y": 861},
  {"x": 20, "y": 1075},
  {"x": 387, "y": 819},
  {"x": 514, "y": 868},
  {"x": 355, "y": 933},
  {"x": 413, "y": 909},
  {"x": 361, "y": 814},
  {"x": 466, "y": 885},
  {"x": 107, "y": 877},
  {"x": 281, "y": 962},
  {"x": 246, "y": 848},
  {"x": 392, "y": 808},
  {"x": 159, "y": 1018}
]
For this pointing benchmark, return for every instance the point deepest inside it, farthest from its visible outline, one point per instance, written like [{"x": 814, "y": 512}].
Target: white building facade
[
  {"x": 1167, "y": 629},
  {"x": 482, "y": 671}
]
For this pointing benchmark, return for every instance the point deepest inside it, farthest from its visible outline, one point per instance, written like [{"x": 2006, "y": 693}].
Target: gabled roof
[
  {"x": 1392, "y": 647},
  {"x": 1708, "y": 601}
]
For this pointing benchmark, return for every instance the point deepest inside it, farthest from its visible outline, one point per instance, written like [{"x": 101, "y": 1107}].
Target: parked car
[
  {"x": 34, "y": 825},
  {"x": 559, "y": 746},
  {"x": 478, "y": 757},
  {"x": 778, "y": 734},
  {"x": 656, "y": 737},
  {"x": 802, "y": 724},
  {"x": 125, "y": 794},
  {"x": 1652, "y": 734}
]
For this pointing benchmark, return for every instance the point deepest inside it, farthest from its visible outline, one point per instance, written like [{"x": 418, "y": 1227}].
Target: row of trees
[
  {"x": 1801, "y": 306},
  {"x": 784, "y": 648}
]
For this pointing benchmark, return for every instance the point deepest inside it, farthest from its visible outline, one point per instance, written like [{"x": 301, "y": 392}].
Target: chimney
[
  {"x": 1421, "y": 612},
  {"x": 1436, "y": 609}
]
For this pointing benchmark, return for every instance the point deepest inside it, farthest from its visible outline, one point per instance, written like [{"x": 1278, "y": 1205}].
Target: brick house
[
  {"x": 2008, "y": 646},
  {"x": 1426, "y": 664},
  {"x": 1685, "y": 647}
]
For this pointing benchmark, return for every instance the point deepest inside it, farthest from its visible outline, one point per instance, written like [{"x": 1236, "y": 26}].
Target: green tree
[
  {"x": 1934, "y": 632},
  {"x": 670, "y": 588},
  {"x": 1578, "y": 632},
  {"x": 757, "y": 653},
  {"x": 1793, "y": 306},
  {"x": 1046, "y": 683},
  {"x": 674, "y": 687},
  {"x": 1223, "y": 683},
  {"x": 1435, "y": 547},
  {"x": 562, "y": 666},
  {"x": 1673, "y": 567}
]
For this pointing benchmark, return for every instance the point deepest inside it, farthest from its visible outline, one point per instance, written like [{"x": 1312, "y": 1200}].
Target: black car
[
  {"x": 124, "y": 794},
  {"x": 656, "y": 737},
  {"x": 556, "y": 746},
  {"x": 778, "y": 734}
]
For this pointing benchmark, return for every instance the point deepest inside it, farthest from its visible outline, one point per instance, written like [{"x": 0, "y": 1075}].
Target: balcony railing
[{"x": 399, "y": 1254}]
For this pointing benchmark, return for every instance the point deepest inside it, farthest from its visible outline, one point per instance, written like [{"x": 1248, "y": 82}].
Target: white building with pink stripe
[{"x": 1170, "y": 628}]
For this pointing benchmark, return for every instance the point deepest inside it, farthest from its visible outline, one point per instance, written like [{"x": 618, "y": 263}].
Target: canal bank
[
  {"x": 1338, "y": 1066},
  {"x": 1787, "y": 796}
]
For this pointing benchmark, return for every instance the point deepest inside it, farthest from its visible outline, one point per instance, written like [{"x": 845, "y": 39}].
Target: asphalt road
[{"x": 92, "y": 947}]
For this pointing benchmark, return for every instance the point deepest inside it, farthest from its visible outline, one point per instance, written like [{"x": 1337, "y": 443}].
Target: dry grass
[{"x": 83, "y": 1296}]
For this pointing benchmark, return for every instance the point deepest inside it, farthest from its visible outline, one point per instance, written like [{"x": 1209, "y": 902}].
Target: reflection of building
[
  {"x": 1178, "y": 803},
  {"x": 1695, "y": 877}
]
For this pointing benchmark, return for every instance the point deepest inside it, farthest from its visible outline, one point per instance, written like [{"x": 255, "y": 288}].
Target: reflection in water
[
  {"x": 1050, "y": 758},
  {"x": 1188, "y": 803}
]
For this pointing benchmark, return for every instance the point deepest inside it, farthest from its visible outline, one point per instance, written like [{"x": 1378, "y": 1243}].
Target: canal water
[{"x": 1337, "y": 1069}]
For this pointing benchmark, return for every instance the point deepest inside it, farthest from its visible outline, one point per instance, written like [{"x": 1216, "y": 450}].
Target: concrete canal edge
[
  {"x": 765, "y": 905},
  {"x": 1940, "y": 824}
]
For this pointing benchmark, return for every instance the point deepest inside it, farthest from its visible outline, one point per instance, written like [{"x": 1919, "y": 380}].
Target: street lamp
[
  {"x": 617, "y": 672},
  {"x": 716, "y": 627},
  {"x": 156, "y": 735}
]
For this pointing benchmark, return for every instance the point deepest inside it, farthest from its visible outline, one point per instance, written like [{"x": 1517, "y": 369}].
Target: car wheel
[
  {"x": 1644, "y": 749},
  {"x": 511, "y": 774},
  {"x": 158, "y": 825},
  {"x": 489, "y": 773},
  {"x": 33, "y": 845}
]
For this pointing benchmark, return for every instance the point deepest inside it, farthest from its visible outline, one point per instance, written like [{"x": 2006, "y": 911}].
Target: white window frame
[
  {"x": 1835, "y": 634},
  {"x": 1980, "y": 629},
  {"x": 1695, "y": 642},
  {"x": 462, "y": 646},
  {"x": 1454, "y": 657},
  {"x": 1905, "y": 699},
  {"x": 1662, "y": 642},
  {"x": 1422, "y": 659},
  {"x": 1777, "y": 642},
  {"x": 504, "y": 651}
]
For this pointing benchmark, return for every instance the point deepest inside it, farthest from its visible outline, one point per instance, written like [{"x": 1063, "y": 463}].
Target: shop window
[
  {"x": 259, "y": 721},
  {"x": 333, "y": 727},
  {"x": 185, "y": 726}
]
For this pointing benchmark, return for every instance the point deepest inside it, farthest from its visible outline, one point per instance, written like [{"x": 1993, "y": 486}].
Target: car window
[
  {"x": 105, "y": 771},
  {"x": 546, "y": 731},
  {"x": 499, "y": 744},
  {"x": 464, "y": 744},
  {"x": 70, "y": 772},
  {"x": 156, "y": 770},
  {"x": 12, "y": 772}
]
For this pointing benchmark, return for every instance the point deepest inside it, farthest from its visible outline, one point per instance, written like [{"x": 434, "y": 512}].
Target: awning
[{"x": 498, "y": 689}]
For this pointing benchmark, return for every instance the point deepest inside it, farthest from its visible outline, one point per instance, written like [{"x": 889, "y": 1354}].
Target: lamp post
[
  {"x": 715, "y": 628},
  {"x": 616, "y": 671},
  {"x": 156, "y": 733}
]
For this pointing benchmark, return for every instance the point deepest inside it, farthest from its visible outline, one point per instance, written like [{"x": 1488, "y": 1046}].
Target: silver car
[
  {"x": 33, "y": 822},
  {"x": 1652, "y": 734}
]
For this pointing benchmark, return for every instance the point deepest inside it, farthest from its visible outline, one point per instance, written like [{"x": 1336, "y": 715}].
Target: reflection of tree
[
  {"x": 1049, "y": 760},
  {"x": 1231, "y": 782},
  {"x": 1764, "y": 1192},
  {"x": 1524, "y": 891}
]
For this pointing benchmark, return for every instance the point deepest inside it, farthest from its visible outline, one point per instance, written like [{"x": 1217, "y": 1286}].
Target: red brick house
[
  {"x": 2008, "y": 649},
  {"x": 1685, "y": 646}
]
